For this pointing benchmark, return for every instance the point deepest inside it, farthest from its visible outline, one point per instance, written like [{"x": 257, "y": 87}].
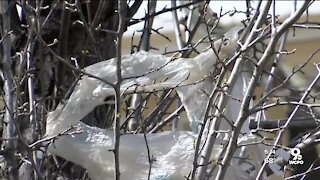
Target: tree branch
[
  {"x": 122, "y": 15},
  {"x": 10, "y": 132}
]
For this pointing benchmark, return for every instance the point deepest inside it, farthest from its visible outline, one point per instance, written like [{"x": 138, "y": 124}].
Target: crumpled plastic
[{"x": 172, "y": 152}]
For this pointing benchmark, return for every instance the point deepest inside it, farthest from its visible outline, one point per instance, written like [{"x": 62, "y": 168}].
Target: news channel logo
[{"x": 297, "y": 158}]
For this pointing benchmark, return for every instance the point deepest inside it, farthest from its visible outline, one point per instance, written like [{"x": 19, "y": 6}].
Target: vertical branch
[
  {"x": 32, "y": 106},
  {"x": 42, "y": 70},
  {"x": 180, "y": 45},
  {"x": 150, "y": 158},
  {"x": 133, "y": 123},
  {"x": 27, "y": 56},
  {"x": 192, "y": 18},
  {"x": 273, "y": 69},
  {"x": 275, "y": 63},
  {"x": 177, "y": 29},
  {"x": 281, "y": 47},
  {"x": 145, "y": 40},
  {"x": 248, "y": 4},
  {"x": 273, "y": 18},
  {"x": 63, "y": 48},
  {"x": 9, "y": 133},
  {"x": 269, "y": 84},
  {"x": 144, "y": 45},
  {"x": 122, "y": 15}
]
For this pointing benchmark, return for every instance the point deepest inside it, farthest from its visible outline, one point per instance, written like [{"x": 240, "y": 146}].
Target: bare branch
[
  {"x": 122, "y": 15},
  {"x": 10, "y": 131}
]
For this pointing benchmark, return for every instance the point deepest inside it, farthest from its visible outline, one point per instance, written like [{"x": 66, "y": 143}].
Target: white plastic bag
[
  {"x": 172, "y": 153},
  {"x": 143, "y": 72}
]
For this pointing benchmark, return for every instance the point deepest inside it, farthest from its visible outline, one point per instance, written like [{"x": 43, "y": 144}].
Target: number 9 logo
[{"x": 295, "y": 152}]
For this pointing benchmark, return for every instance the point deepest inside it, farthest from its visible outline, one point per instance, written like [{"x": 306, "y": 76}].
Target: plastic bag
[{"x": 173, "y": 152}]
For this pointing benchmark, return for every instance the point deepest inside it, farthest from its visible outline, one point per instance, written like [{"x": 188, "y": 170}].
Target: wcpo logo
[{"x": 297, "y": 157}]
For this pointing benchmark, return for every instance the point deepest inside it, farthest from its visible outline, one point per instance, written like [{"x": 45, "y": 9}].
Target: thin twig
[{"x": 150, "y": 159}]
